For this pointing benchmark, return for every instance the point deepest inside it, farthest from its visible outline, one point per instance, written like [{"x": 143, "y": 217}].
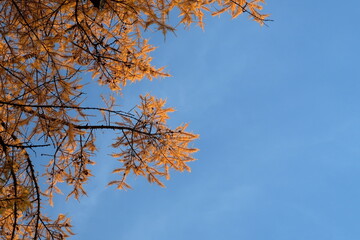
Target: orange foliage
[{"x": 45, "y": 46}]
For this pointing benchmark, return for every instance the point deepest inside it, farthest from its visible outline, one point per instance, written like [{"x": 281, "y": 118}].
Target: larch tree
[{"x": 45, "y": 47}]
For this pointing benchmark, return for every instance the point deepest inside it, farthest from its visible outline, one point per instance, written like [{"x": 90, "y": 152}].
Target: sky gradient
[{"x": 277, "y": 110}]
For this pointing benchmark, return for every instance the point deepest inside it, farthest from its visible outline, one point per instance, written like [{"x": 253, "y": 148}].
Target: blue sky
[{"x": 278, "y": 112}]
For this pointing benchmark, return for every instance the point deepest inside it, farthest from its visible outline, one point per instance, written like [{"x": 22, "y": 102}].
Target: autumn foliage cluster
[{"x": 45, "y": 46}]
